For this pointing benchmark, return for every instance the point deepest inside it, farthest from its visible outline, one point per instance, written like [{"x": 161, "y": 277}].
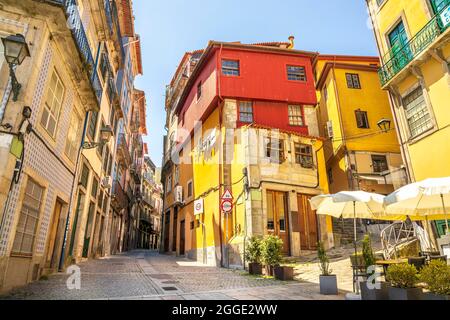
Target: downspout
[
  {"x": 75, "y": 179},
  {"x": 221, "y": 151}
]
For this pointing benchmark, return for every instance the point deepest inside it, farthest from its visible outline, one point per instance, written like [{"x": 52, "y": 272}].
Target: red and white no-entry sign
[{"x": 226, "y": 206}]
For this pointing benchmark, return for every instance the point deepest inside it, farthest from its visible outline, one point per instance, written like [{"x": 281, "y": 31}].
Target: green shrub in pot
[
  {"x": 436, "y": 276},
  {"x": 403, "y": 279},
  {"x": 271, "y": 252},
  {"x": 253, "y": 254},
  {"x": 327, "y": 281}
]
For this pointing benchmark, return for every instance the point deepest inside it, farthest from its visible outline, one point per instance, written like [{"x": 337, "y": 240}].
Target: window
[
  {"x": 169, "y": 184},
  {"x": 94, "y": 189},
  {"x": 92, "y": 128},
  {"x": 84, "y": 176},
  {"x": 199, "y": 90},
  {"x": 275, "y": 150},
  {"x": 72, "y": 142},
  {"x": 176, "y": 177},
  {"x": 190, "y": 191},
  {"x": 28, "y": 220},
  {"x": 246, "y": 111},
  {"x": 417, "y": 114},
  {"x": 296, "y": 73},
  {"x": 104, "y": 68},
  {"x": 361, "y": 119},
  {"x": 230, "y": 68},
  {"x": 106, "y": 158},
  {"x": 304, "y": 155},
  {"x": 53, "y": 104},
  {"x": 353, "y": 81},
  {"x": 295, "y": 115},
  {"x": 270, "y": 213},
  {"x": 439, "y": 5},
  {"x": 379, "y": 163},
  {"x": 398, "y": 38}
]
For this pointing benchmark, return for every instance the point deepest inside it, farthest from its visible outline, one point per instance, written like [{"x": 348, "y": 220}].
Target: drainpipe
[{"x": 221, "y": 151}]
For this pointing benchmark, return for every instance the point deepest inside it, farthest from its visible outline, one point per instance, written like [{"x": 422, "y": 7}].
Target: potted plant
[
  {"x": 402, "y": 280},
  {"x": 253, "y": 255},
  {"x": 328, "y": 281},
  {"x": 271, "y": 249},
  {"x": 369, "y": 289},
  {"x": 436, "y": 277}
]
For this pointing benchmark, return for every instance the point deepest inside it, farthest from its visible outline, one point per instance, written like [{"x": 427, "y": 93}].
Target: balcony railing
[
  {"x": 396, "y": 61},
  {"x": 119, "y": 198},
  {"x": 123, "y": 151},
  {"x": 81, "y": 40},
  {"x": 115, "y": 18}
]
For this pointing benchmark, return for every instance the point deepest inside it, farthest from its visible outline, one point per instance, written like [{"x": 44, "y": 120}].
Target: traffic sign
[
  {"x": 198, "y": 206},
  {"x": 226, "y": 206},
  {"x": 227, "y": 195}
]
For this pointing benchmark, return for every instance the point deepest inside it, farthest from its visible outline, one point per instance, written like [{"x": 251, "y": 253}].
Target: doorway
[
  {"x": 307, "y": 222},
  {"x": 166, "y": 231},
  {"x": 174, "y": 229},
  {"x": 54, "y": 243},
  {"x": 182, "y": 238},
  {"x": 277, "y": 217}
]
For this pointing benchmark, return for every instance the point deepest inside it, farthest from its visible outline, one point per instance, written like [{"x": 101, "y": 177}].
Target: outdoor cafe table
[{"x": 387, "y": 263}]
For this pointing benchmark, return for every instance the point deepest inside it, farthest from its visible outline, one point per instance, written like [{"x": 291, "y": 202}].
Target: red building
[
  {"x": 268, "y": 91},
  {"x": 269, "y": 75}
]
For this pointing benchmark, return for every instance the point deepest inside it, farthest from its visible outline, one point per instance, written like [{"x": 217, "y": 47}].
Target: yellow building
[
  {"x": 413, "y": 40},
  {"x": 362, "y": 150},
  {"x": 262, "y": 145}
]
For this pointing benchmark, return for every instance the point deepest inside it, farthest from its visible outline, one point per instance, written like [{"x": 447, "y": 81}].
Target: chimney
[{"x": 291, "y": 40}]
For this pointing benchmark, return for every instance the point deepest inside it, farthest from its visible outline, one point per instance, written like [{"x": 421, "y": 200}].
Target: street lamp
[
  {"x": 105, "y": 136},
  {"x": 16, "y": 50},
  {"x": 384, "y": 125}
]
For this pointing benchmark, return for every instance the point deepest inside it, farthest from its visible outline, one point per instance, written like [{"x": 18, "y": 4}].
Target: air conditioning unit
[
  {"x": 330, "y": 129},
  {"x": 107, "y": 182},
  {"x": 179, "y": 194}
]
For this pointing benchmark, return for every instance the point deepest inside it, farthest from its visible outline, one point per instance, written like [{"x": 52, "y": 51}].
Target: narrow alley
[{"x": 149, "y": 275}]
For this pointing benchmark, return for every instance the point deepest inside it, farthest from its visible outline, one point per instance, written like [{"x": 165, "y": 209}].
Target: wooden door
[
  {"x": 277, "y": 217},
  {"x": 166, "y": 231},
  {"x": 182, "y": 237},
  {"x": 52, "y": 244},
  {"x": 307, "y": 222}
]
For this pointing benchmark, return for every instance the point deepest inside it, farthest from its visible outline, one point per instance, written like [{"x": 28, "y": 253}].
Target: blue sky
[{"x": 168, "y": 28}]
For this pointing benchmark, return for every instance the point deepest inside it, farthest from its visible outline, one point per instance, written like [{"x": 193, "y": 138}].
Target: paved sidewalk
[{"x": 152, "y": 276}]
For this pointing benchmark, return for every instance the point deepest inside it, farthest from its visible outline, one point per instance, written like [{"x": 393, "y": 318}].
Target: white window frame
[{"x": 52, "y": 114}]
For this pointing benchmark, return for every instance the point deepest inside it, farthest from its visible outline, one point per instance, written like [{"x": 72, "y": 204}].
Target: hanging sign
[{"x": 198, "y": 206}]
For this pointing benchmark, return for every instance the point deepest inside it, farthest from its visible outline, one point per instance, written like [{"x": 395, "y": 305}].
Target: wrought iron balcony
[
  {"x": 395, "y": 61},
  {"x": 123, "y": 153},
  {"x": 119, "y": 198},
  {"x": 81, "y": 40}
]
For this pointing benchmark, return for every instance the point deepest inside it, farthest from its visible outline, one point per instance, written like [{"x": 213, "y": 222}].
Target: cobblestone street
[{"x": 149, "y": 275}]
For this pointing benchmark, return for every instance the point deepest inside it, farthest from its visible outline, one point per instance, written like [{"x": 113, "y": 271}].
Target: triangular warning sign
[{"x": 227, "y": 195}]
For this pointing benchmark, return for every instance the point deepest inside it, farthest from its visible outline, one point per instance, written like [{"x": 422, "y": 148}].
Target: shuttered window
[
  {"x": 417, "y": 114},
  {"x": 362, "y": 120},
  {"x": 28, "y": 219}
]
